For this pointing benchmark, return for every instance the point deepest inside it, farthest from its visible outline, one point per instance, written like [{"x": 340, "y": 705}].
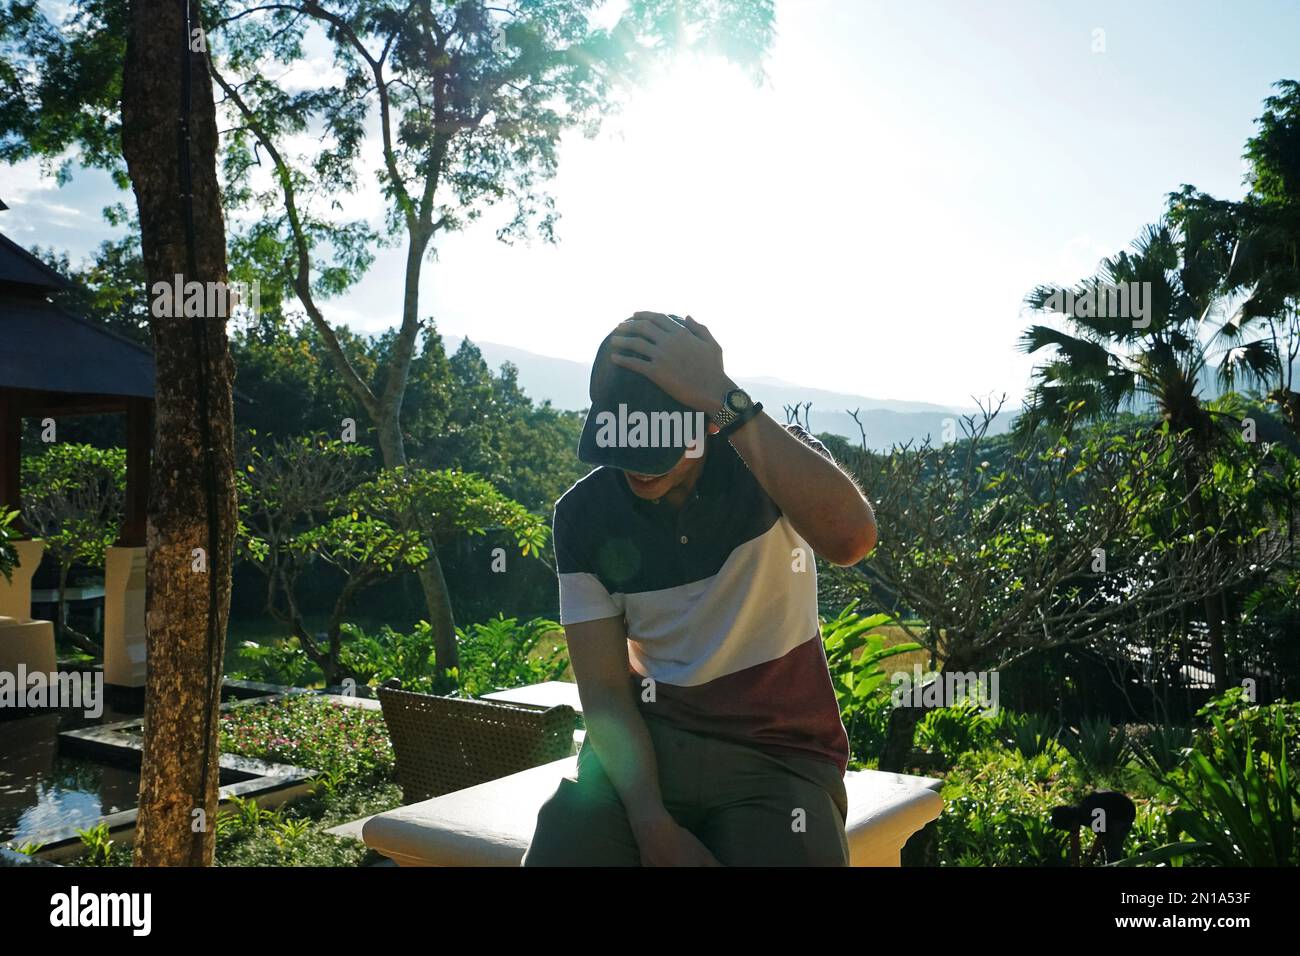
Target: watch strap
[{"x": 740, "y": 419}]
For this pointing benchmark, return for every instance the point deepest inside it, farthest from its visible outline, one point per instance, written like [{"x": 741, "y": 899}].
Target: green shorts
[{"x": 749, "y": 807}]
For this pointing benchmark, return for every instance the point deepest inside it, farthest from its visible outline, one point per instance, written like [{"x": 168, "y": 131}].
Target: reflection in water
[{"x": 41, "y": 790}]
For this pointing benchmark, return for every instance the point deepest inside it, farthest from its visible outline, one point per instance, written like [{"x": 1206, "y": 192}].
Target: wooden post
[
  {"x": 11, "y": 433},
  {"x": 139, "y": 445}
]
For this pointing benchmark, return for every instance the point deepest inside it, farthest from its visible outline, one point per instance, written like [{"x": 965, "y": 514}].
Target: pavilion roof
[
  {"x": 20, "y": 267},
  {"x": 44, "y": 348}
]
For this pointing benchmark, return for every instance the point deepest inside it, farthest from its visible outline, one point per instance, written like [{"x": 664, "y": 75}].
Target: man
[{"x": 688, "y": 595}]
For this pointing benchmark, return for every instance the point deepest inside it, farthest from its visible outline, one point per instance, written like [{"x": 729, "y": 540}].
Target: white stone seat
[{"x": 492, "y": 823}]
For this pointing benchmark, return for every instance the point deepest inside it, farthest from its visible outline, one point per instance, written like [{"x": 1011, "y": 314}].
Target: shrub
[
  {"x": 502, "y": 653},
  {"x": 294, "y": 834},
  {"x": 1099, "y": 747},
  {"x": 8, "y": 556},
  {"x": 953, "y": 731},
  {"x": 100, "y": 849},
  {"x": 997, "y": 806},
  {"x": 374, "y": 658},
  {"x": 1238, "y": 796},
  {"x": 1160, "y": 747},
  {"x": 278, "y": 662},
  {"x": 495, "y": 655},
  {"x": 1030, "y": 734},
  {"x": 853, "y": 654},
  {"x": 311, "y": 732}
]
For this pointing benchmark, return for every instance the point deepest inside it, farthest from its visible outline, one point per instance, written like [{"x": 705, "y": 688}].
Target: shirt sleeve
[{"x": 583, "y": 597}]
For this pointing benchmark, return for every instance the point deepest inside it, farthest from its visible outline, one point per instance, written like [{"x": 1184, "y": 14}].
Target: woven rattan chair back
[{"x": 444, "y": 744}]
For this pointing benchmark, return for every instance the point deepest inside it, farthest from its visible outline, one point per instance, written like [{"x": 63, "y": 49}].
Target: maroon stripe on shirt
[{"x": 784, "y": 707}]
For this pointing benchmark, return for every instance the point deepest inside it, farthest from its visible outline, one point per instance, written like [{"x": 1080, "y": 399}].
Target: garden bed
[{"x": 293, "y": 764}]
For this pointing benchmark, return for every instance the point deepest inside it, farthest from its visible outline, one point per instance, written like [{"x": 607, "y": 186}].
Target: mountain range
[{"x": 885, "y": 422}]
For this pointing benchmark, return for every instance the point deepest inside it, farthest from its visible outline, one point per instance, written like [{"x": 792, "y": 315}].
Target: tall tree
[
  {"x": 192, "y": 516},
  {"x": 1108, "y": 357},
  {"x": 467, "y": 100},
  {"x": 1263, "y": 278},
  {"x": 462, "y": 102}
]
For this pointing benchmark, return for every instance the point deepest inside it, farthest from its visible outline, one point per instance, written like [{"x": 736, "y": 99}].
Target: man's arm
[
  {"x": 598, "y": 654},
  {"x": 822, "y": 502}
]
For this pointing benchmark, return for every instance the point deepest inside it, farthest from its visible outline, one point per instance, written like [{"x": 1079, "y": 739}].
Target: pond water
[{"x": 42, "y": 789}]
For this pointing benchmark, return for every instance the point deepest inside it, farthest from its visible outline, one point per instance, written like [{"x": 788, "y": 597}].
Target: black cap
[{"x": 658, "y": 449}]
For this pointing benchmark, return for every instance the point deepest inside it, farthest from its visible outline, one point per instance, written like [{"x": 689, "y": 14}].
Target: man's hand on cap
[{"x": 686, "y": 362}]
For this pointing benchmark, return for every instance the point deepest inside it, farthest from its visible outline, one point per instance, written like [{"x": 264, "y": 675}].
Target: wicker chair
[{"x": 443, "y": 744}]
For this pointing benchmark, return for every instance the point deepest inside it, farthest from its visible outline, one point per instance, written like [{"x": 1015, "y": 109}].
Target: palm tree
[
  {"x": 1259, "y": 337},
  {"x": 1263, "y": 274},
  {"x": 1149, "y": 352}
]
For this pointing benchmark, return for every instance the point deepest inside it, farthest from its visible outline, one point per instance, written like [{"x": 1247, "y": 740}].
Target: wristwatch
[{"x": 737, "y": 408}]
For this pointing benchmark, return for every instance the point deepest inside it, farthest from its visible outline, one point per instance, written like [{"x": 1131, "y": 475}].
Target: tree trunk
[
  {"x": 437, "y": 598},
  {"x": 1211, "y": 602},
  {"x": 67, "y": 633},
  {"x": 192, "y": 495},
  {"x": 900, "y": 734},
  {"x": 60, "y": 611},
  {"x": 438, "y": 601}
]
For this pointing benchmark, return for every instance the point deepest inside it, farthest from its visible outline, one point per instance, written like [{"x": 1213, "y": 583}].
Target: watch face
[{"x": 738, "y": 400}]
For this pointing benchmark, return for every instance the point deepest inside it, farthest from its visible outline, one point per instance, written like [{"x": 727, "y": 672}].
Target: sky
[{"x": 867, "y": 220}]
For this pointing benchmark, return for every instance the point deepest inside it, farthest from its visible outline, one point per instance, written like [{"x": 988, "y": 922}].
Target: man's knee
[{"x": 581, "y": 826}]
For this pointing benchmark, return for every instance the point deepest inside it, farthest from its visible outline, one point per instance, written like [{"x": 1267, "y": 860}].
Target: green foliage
[
  {"x": 101, "y": 849},
  {"x": 1237, "y": 789},
  {"x": 988, "y": 550},
  {"x": 111, "y": 288},
  {"x": 1099, "y": 747},
  {"x": 73, "y": 496},
  {"x": 294, "y": 834},
  {"x": 8, "y": 556},
  {"x": 854, "y": 655},
  {"x": 494, "y": 655},
  {"x": 307, "y": 731},
  {"x": 289, "y": 484},
  {"x": 277, "y": 661},
  {"x": 446, "y": 502},
  {"x": 955, "y": 730},
  {"x": 456, "y": 412},
  {"x": 305, "y": 499},
  {"x": 1030, "y": 734},
  {"x": 1161, "y": 747},
  {"x": 374, "y": 658},
  {"x": 997, "y": 807},
  {"x": 1244, "y": 809},
  {"x": 329, "y": 783},
  {"x": 502, "y": 653},
  {"x": 240, "y": 812},
  {"x": 1274, "y": 152},
  {"x": 362, "y": 547},
  {"x": 1103, "y": 359}
]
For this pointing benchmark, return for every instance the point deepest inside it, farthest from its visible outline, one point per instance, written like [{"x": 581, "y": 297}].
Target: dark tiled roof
[
  {"x": 42, "y": 347},
  {"x": 47, "y": 349},
  {"x": 19, "y": 266}
]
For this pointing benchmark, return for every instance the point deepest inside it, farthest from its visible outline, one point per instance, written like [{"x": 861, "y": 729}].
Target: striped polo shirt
[{"x": 720, "y": 602}]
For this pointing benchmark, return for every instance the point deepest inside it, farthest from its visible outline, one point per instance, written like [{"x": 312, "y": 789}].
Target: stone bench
[{"x": 492, "y": 823}]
